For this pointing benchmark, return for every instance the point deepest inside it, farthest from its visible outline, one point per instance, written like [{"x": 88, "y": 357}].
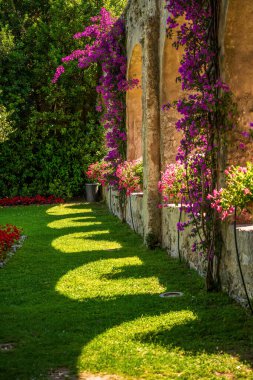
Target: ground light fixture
[{"x": 171, "y": 294}]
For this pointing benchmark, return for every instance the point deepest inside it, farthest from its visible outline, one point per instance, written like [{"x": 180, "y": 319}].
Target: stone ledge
[
  {"x": 245, "y": 228},
  {"x": 139, "y": 195}
]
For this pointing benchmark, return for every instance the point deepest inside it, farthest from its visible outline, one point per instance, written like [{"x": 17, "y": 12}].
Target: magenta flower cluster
[{"x": 106, "y": 48}]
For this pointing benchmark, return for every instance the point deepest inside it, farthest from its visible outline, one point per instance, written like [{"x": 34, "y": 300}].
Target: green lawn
[{"x": 83, "y": 294}]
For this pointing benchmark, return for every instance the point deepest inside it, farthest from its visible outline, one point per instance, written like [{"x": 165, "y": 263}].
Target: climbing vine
[
  {"x": 207, "y": 112},
  {"x": 106, "y": 47}
]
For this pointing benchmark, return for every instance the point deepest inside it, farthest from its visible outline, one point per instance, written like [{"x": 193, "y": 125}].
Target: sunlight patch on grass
[
  {"x": 139, "y": 341},
  {"x": 74, "y": 222},
  {"x": 85, "y": 242},
  {"x": 106, "y": 279},
  {"x": 108, "y": 350},
  {"x": 66, "y": 209}
]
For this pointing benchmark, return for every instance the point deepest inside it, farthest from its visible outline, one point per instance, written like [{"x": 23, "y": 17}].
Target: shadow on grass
[{"x": 51, "y": 329}]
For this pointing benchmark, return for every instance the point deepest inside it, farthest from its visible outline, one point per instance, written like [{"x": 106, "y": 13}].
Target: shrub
[{"x": 56, "y": 128}]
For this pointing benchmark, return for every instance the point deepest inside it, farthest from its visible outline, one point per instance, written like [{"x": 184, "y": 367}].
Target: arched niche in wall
[
  {"x": 238, "y": 74},
  {"x": 134, "y": 106},
  {"x": 170, "y": 91}
]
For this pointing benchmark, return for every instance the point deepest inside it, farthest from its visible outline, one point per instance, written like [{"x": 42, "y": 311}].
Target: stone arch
[
  {"x": 238, "y": 73},
  {"x": 170, "y": 90},
  {"x": 134, "y": 106}
]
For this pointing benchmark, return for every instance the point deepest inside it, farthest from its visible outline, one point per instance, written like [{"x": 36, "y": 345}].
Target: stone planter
[{"x": 92, "y": 192}]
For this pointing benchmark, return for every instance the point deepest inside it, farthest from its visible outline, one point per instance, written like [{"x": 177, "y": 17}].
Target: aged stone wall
[
  {"x": 229, "y": 271},
  {"x": 152, "y": 133},
  {"x": 133, "y": 211},
  {"x": 178, "y": 245}
]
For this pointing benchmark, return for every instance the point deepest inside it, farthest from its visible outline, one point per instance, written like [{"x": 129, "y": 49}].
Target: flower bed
[
  {"x": 9, "y": 235},
  {"x": 25, "y": 201}
]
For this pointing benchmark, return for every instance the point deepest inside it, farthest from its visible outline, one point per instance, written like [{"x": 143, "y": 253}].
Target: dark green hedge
[{"x": 57, "y": 131}]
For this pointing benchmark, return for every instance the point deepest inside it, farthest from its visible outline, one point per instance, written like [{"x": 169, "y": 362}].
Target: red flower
[
  {"x": 9, "y": 234},
  {"x": 38, "y": 199}
]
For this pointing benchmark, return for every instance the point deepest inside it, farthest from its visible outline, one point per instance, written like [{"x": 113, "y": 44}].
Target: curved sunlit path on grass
[
  {"x": 85, "y": 242},
  {"x": 105, "y": 279},
  {"x": 82, "y": 297}
]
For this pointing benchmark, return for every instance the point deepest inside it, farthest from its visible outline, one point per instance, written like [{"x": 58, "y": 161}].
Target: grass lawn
[{"x": 83, "y": 294}]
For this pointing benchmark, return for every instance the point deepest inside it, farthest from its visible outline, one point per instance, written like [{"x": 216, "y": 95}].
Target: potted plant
[
  {"x": 130, "y": 176},
  {"x": 98, "y": 173},
  {"x": 172, "y": 185},
  {"x": 238, "y": 193},
  {"x": 92, "y": 187}
]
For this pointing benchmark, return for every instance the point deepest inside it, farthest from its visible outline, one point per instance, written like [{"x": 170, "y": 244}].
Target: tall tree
[{"x": 57, "y": 131}]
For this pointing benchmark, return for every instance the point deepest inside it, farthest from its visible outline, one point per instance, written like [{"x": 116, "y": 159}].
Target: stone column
[
  {"x": 151, "y": 122},
  {"x": 237, "y": 71}
]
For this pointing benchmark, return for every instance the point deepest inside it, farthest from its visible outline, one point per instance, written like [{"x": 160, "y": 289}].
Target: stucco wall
[
  {"x": 237, "y": 70},
  {"x": 146, "y": 28},
  {"x": 170, "y": 89},
  {"x": 134, "y": 106}
]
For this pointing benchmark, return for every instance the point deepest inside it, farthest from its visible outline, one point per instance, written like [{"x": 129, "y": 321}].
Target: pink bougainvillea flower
[{"x": 130, "y": 176}]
